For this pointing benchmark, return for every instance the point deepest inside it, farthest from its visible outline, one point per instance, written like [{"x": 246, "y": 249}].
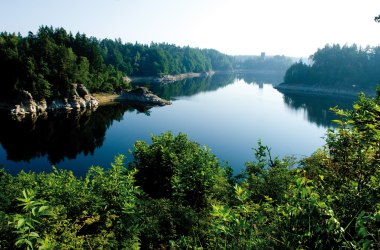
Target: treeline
[
  {"x": 162, "y": 59},
  {"x": 174, "y": 194},
  {"x": 48, "y": 62},
  {"x": 263, "y": 63},
  {"x": 336, "y": 66}
]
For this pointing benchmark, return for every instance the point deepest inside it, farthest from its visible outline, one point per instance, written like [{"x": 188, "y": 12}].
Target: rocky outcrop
[
  {"x": 80, "y": 99},
  {"x": 143, "y": 95}
]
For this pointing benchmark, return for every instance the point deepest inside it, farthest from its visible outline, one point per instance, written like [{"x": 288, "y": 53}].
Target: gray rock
[{"x": 143, "y": 95}]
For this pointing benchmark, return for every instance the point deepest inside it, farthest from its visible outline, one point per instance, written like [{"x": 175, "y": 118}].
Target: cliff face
[{"x": 80, "y": 99}]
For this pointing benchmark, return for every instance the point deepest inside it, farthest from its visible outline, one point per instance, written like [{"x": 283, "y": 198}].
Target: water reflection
[
  {"x": 317, "y": 108},
  {"x": 261, "y": 78},
  {"x": 236, "y": 112},
  {"x": 66, "y": 135},
  {"x": 58, "y": 136},
  {"x": 190, "y": 86}
]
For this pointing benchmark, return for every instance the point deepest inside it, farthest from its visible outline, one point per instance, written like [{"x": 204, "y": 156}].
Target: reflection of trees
[
  {"x": 58, "y": 136},
  {"x": 260, "y": 78},
  {"x": 189, "y": 86},
  {"x": 317, "y": 108}
]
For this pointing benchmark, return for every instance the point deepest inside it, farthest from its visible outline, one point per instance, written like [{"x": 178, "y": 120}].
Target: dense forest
[
  {"x": 48, "y": 62},
  {"x": 175, "y": 194},
  {"x": 336, "y": 66}
]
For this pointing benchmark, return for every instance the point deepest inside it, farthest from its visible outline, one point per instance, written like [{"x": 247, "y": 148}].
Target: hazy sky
[{"x": 285, "y": 27}]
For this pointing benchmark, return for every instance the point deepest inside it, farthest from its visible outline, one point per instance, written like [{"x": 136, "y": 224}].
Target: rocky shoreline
[
  {"x": 143, "y": 95},
  {"x": 140, "y": 95},
  {"x": 79, "y": 102},
  {"x": 81, "y": 99}
]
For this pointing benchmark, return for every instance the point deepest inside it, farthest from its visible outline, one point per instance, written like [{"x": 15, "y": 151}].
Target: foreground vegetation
[{"x": 175, "y": 194}]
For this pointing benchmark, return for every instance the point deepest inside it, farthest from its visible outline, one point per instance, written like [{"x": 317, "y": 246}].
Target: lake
[{"x": 227, "y": 113}]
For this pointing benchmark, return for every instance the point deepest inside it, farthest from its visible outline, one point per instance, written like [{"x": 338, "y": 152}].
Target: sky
[{"x": 235, "y": 27}]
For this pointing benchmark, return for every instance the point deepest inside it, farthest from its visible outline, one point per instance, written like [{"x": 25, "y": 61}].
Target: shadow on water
[
  {"x": 58, "y": 136},
  {"x": 66, "y": 135},
  {"x": 317, "y": 108}
]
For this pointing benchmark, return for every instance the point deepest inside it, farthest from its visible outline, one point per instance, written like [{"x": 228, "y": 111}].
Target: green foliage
[
  {"x": 162, "y": 59},
  {"x": 174, "y": 194},
  {"x": 298, "y": 73},
  {"x": 47, "y": 63},
  {"x": 176, "y": 168},
  {"x": 346, "y": 68},
  {"x": 101, "y": 209},
  {"x": 267, "y": 177},
  {"x": 28, "y": 224},
  {"x": 181, "y": 179}
]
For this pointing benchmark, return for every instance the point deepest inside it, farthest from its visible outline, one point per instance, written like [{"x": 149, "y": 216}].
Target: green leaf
[
  {"x": 34, "y": 211},
  {"x": 43, "y": 208},
  {"x": 362, "y": 232},
  {"x": 34, "y": 234},
  {"x": 20, "y": 223},
  {"x": 338, "y": 121}
]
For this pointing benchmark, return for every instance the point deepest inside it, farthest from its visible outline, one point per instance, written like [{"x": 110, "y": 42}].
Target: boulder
[
  {"x": 82, "y": 90},
  {"x": 27, "y": 102},
  {"x": 42, "y": 106},
  {"x": 18, "y": 111},
  {"x": 144, "y": 95}
]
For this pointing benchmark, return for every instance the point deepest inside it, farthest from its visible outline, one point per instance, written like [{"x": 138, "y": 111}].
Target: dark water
[{"x": 227, "y": 113}]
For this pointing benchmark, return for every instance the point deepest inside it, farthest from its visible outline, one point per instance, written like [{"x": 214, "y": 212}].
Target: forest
[
  {"x": 336, "y": 66},
  {"x": 175, "y": 194},
  {"x": 48, "y": 62}
]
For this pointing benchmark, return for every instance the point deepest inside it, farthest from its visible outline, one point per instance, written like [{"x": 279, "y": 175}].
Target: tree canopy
[
  {"x": 336, "y": 66},
  {"x": 48, "y": 62}
]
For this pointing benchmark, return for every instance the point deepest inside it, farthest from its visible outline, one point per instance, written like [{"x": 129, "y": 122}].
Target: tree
[{"x": 176, "y": 168}]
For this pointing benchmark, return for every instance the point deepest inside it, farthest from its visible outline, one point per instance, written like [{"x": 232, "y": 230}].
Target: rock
[
  {"x": 27, "y": 102},
  {"x": 18, "y": 111},
  {"x": 92, "y": 102},
  {"x": 127, "y": 79},
  {"x": 82, "y": 90},
  {"x": 143, "y": 95},
  {"x": 80, "y": 99}
]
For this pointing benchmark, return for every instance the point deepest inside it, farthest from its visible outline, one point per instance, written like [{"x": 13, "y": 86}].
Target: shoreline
[
  {"x": 320, "y": 91},
  {"x": 167, "y": 78}
]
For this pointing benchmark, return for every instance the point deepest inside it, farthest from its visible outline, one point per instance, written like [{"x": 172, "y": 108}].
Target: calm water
[{"x": 226, "y": 113}]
